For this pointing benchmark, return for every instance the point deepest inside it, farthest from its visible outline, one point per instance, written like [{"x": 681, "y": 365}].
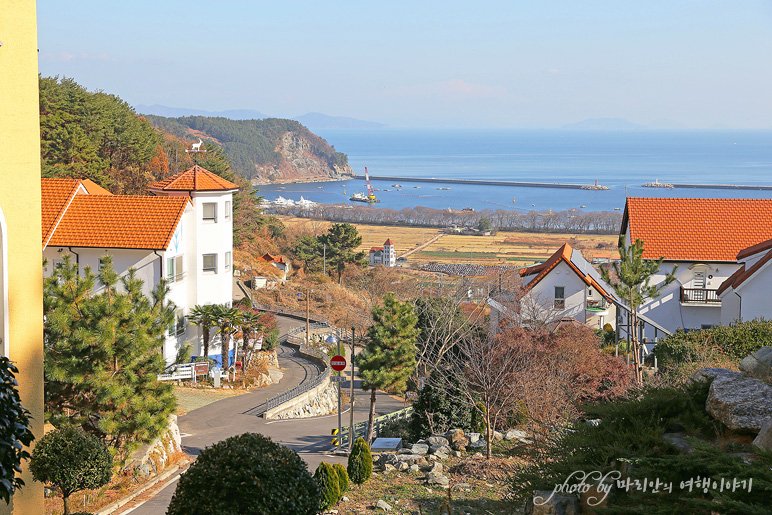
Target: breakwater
[
  {"x": 722, "y": 186},
  {"x": 486, "y": 183}
]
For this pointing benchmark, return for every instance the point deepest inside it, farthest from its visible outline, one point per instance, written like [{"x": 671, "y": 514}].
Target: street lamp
[
  {"x": 333, "y": 340},
  {"x": 351, "y": 400}
]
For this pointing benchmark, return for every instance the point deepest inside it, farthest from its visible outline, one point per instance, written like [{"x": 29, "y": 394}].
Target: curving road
[{"x": 310, "y": 438}]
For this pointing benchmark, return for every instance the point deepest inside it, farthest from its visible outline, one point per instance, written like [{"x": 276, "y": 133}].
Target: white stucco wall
[
  {"x": 213, "y": 238},
  {"x": 667, "y": 309},
  {"x": 754, "y": 297}
]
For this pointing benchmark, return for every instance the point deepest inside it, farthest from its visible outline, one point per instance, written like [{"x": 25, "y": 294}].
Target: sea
[{"x": 623, "y": 161}]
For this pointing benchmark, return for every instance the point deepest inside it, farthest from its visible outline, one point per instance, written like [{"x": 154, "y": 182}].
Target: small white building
[
  {"x": 386, "y": 255},
  {"x": 277, "y": 262},
  {"x": 564, "y": 286},
  {"x": 747, "y": 294},
  {"x": 183, "y": 233},
  {"x": 702, "y": 238}
]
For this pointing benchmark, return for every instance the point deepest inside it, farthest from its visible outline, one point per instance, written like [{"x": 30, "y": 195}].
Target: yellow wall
[{"x": 20, "y": 203}]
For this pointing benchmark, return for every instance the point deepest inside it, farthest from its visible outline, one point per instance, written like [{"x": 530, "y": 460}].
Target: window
[
  {"x": 210, "y": 212},
  {"x": 227, "y": 209},
  {"x": 560, "y": 297},
  {"x": 210, "y": 263},
  {"x": 174, "y": 270},
  {"x": 227, "y": 260},
  {"x": 177, "y": 327}
]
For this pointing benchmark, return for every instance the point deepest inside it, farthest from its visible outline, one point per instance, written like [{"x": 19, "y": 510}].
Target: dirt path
[{"x": 423, "y": 246}]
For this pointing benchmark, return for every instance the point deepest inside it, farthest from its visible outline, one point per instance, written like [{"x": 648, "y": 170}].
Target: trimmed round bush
[
  {"x": 360, "y": 462},
  {"x": 329, "y": 485},
  {"x": 71, "y": 460},
  {"x": 246, "y": 474},
  {"x": 342, "y": 477}
]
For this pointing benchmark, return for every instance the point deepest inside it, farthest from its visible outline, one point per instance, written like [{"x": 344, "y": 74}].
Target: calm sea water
[{"x": 622, "y": 161}]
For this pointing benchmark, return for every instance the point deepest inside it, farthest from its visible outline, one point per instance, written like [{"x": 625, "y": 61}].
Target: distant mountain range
[{"x": 310, "y": 120}]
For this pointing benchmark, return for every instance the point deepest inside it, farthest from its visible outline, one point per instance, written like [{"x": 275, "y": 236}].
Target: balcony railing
[
  {"x": 597, "y": 304},
  {"x": 699, "y": 296}
]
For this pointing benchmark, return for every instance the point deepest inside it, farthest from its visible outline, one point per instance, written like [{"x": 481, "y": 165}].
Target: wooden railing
[{"x": 699, "y": 296}]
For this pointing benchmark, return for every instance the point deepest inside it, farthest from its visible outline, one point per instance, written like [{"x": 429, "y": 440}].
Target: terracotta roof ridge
[
  {"x": 754, "y": 249},
  {"x": 60, "y": 215}
]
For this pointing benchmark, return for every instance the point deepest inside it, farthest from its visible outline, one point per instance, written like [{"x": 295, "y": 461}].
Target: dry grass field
[{"x": 514, "y": 248}]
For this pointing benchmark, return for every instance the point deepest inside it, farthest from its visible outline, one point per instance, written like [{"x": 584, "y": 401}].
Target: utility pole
[
  {"x": 308, "y": 316},
  {"x": 324, "y": 259},
  {"x": 351, "y": 398}
]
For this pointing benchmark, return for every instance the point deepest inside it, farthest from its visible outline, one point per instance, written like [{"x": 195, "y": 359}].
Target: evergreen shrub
[
  {"x": 342, "y": 477},
  {"x": 14, "y": 431},
  {"x": 438, "y": 409},
  {"x": 329, "y": 485},
  {"x": 360, "y": 462},
  {"x": 246, "y": 474},
  {"x": 71, "y": 460}
]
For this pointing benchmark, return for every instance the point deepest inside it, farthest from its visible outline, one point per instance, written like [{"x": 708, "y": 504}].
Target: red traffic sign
[{"x": 338, "y": 363}]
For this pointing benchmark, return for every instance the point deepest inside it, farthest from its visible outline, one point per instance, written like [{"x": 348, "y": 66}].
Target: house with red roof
[
  {"x": 386, "y": 255},
  {"x": 277, "y": 262},
  {"x": 565, "y": 286},
  {"x": 182, "y": 233},
  {"x": 747, "y": 293},
  {"x": 701, "y": 239}
]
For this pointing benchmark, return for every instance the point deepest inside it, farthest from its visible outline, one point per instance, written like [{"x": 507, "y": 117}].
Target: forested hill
[{"x": 265, "y": 150}]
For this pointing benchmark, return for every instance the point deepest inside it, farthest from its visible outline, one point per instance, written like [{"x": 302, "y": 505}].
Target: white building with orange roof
[
  {"x": 386, "y": 255},
  {"x": 183, "y": 234},
  {"x": 747, "y": 294},
  {"x": 702, "y": 238}
]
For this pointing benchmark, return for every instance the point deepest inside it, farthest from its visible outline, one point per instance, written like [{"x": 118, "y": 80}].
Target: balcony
[
  {"x": 699, "y": 296},
  {"x": 597, "y": 304}
]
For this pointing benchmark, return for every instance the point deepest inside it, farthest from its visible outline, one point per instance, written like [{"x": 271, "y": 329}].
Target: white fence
[{"x": 187, "y": 372}]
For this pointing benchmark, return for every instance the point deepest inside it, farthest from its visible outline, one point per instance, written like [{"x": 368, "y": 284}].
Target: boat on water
[
  {"x": 417, "y": 187},
  {"x": 617, "y": 209},
  {"x": 361, "y": 197},
  {"x": 396, "y": 185},
  {"x": 443, "y": 188},
  {"x": 582, "y": 206},
  {"x": 386, "y": 189}
]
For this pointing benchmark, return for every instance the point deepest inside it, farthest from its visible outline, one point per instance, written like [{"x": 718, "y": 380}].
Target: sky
[{"x": 519, "y": 64}]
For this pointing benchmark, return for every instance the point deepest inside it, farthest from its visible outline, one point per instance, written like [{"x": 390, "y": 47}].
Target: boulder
[
  {"x": 473, "y": 437},
  {"x": 556, "y": 505},
  {"x": 435, "y": 478},
  {"x": 415, "y": 468},
  {"x": 515, "y": 434},
  {"x": 420, "y": 448},
  {"x": 436, "y": 467},
  {"x": 758, "y": 364},
  {"x": 497, "y": 436},
  {"x": 457, "y": 440},
  {"x": 479, "y": 444},
  {"x": 764, "y": 439},
  {"x": 389, "y": 468},
  {"x": 709, "y": 374},
  {"x": 739, "y": 402},
  {"x": 441, "y": 454},
  {"x": 402, "y": 466},
  {"x": 442, "y": 450},
  {"x": 387, "y": 459},
  {"x": 436, "y": 442},
  {"x": 678, "y": 440},
  {"x": 382, "y": 505}
]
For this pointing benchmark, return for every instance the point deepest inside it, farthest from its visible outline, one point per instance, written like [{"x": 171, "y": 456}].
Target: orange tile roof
[
  {"x": 193, "y": 179},
  {"x": 375, "y": 249},
  {"x": 271, "y": 259},
  {"x": 56, "y": 195},
  {"x": 94, "y": 188},
  {"x": 119, "y": 221},
  {"x": 388, "y": 242},
  {"x": 741, "y": 274},
  {"x": 562, "y": 254},
  {"x": 689, "y": 229}
]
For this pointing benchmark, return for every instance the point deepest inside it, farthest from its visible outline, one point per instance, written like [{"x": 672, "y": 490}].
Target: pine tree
[
  {"x": 388, "y": 360},
  {"x": 341, "y": 242},
  {"x": 102, "y": 354},
  {"x": 633, "y": 274}
]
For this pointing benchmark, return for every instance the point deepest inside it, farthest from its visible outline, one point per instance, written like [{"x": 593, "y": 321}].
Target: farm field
[{"x": 512, "y": 248}]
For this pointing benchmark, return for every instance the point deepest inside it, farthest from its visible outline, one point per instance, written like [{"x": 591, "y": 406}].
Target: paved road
[{"x": 310, "y": 438}]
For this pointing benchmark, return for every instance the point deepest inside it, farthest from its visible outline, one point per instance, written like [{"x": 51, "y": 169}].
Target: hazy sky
[{"x": 421, "y": 63}]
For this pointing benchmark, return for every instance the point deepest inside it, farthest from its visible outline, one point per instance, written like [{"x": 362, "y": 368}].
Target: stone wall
[
  {"x": 322, "y": 400},
  {"x": 155, "y": 457}
]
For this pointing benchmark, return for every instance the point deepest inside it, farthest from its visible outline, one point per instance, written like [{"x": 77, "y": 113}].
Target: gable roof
[
  {"x": 56, "y": 195},
  {"x": 744, "y": 273},
  {"x": 93, "y": 188},
  {"x": 388, "y": 242},
  {"x": 195, "y": 178},
  {"x": 271, "y": 259},
  {"x": 119, "y": 221},
  {"x": 754, "y": 249},
  {"x": 574, "y": 259},
  {"x": 697, "y": 229},
  {"x": 375, "y": 249}
]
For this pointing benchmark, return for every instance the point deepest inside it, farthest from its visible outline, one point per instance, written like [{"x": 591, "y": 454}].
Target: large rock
[
  {"x": 420, "y": 448},
  {"x": 515, "y": 434},
  {"x": 479, "y": 444},
  {"x": 457, "y": 440},
  {"x": 435, "y": 442},
  {"x": 382, "y": 505},
  {"x": 739, "y": 402},
  {"x": 436, "y": 478},
  {"x": 758, "y": 364},
  {"x": 473, "y": 437},
  {"x": 764, "y": 440},
  {"x": 556, "y": 505},
  {"x": 709, "y": 374}
]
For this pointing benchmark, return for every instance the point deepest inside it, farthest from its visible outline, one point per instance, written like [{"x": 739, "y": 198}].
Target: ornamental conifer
[
  {"x": 329, "y": 485},
  {"x": 360, "y": 462}
]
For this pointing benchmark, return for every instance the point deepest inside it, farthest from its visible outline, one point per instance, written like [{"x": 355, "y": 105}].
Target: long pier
[
  {"x": 486, "y": 183},
  {"x": 722, "y": 186}
]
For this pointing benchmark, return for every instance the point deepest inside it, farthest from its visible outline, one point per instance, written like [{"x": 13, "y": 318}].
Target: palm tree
[
  {"x": 204, "y": 317},
  {"x": 250, "y": 321},
  {"x": 227, "y": 320}
]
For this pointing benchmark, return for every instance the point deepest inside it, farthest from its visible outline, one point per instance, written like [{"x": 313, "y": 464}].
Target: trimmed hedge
[
  {"x": 360, "y": 462},
  {"x": 329, "y": 485},
  {"x": 342, "y": 478},
  {"x": 735, "y": 342},
  {"x": 246, "y": 474}
]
